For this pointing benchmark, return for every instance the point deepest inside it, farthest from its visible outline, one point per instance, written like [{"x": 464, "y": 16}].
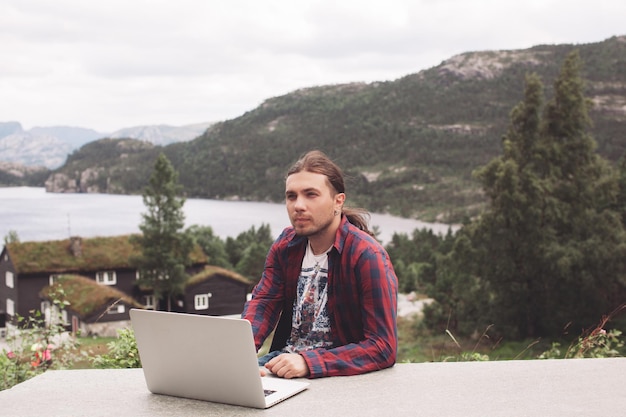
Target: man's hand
[{"x": 288, "y": 365}]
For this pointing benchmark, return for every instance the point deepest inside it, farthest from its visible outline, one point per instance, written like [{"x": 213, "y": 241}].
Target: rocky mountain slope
[{"x": 409, "y": 146}]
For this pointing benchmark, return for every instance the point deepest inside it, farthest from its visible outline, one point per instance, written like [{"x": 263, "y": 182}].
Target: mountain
[
  {"x": 34, "y": 149},
  {"x": 8, "y": 128},
  {"x": 408, "y": 146},
  {"x": 12, "y": 174},
  {"x": 75, "y": 137},
  {"x": 162, "y": 134},
  {"x": 41, "y": 146},
  {"x": 49, "y": 146}
]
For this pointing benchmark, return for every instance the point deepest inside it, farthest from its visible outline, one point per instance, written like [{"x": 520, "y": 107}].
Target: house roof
[
  {"x": 78, "y": 254},
  {"x": 210, "y": 272},
  {"x": 86, "y": 296}
]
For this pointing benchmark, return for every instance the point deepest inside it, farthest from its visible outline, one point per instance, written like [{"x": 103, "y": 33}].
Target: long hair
[{"x": 318, "y": 163}]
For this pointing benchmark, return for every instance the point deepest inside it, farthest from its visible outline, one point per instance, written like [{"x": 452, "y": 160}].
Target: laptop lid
[{"x": 205, "y": 358}]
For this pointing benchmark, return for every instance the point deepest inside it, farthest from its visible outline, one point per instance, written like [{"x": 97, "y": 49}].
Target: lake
[{"x": 38, "y": 216}]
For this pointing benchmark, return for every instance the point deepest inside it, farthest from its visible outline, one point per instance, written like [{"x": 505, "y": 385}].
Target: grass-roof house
[
  {"x": 26, "y": 268},
  {"x": 216, "y": 291},
  {"x": 92, "y": 308}
]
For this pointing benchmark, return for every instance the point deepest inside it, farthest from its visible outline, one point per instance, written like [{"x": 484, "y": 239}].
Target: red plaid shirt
[{"x": 362, "y": 302}]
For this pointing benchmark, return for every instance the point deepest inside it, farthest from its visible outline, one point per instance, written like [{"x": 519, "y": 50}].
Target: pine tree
[
  {"x": 585, "y": 262},
  {"x": 550, "y": 249},
  {"x": 165, "y": 248},
  {"x": 511, "y": 232}
]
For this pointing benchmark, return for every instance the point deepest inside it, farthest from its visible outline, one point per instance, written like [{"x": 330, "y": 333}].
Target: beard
[{"x": 311, "y": 227}]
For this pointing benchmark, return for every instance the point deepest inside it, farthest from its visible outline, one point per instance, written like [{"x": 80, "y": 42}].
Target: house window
[
  {"x": 150, "y": 302},
  {"x": 9, "y": 279},
  {"x": 52, "y": 314},
  {"x": 46, "y": 309},
  {"x": 10, "y": 307},
  {"x": 106, "y": 277},
  {"x": 116, "y": 309},
  {"x": 201, "y": 301}
]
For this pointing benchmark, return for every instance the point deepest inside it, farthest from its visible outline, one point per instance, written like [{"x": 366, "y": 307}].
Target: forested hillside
[{"x": 409, "y": 146}]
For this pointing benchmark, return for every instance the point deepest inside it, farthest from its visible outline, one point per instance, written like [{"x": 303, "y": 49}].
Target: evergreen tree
[
  {"x": 511, "y": 233},
  {"x": 252, "y": 261},
  {"x": 211, "y": 245},
  {"x": 415, "y": 259},
  {"x": 244, "y": 254},
  {"x": 165, "y": 248},
  {"x": 248, "y": 250},
  {"x": 585, "y": 262},
  {"x": 620, "y": 204},
  {"x": 549, "y": 250}
]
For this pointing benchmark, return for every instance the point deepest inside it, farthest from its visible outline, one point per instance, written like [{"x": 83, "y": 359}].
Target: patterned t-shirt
[{"x": 310, "y": 321}]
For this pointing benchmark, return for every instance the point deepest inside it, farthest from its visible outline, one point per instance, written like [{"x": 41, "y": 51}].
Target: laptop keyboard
[{"x": 268, "y": 392}]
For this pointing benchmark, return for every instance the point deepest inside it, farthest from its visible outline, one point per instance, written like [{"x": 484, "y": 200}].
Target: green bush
[
  {"x": 122, "y": 352},
  {"x": 13, "y": 369},
  {"x": 598, "y": 344}
]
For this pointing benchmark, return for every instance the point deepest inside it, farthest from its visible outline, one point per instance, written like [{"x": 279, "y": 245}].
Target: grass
[
  {"x": 416, "y": 345},
  {"x": 90, "y": 347}
]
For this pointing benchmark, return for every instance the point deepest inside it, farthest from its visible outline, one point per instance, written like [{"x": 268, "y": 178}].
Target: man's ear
[{"x": 340, "y": 199}]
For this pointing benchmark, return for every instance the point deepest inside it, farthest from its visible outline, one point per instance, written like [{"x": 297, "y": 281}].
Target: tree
[
  {"x": 415, "y": 259},
  {"x": 511, "y": 232},
  {"x": 248, "y": 251},
  {"x": 550, "y": 249},
  {"x": 213, "y": 247},
  {"x": 165, "y": 249},
  {"x": 11, "y": 237},
  {"x": 620, "y": 204},
  {"x": 585, "y": 262}
]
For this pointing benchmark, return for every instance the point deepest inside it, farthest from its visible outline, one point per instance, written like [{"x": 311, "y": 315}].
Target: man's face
[{"x": 311, "y": 205}]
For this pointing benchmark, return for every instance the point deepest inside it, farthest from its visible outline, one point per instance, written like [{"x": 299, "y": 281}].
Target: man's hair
[{"x": 318, "y": 163}]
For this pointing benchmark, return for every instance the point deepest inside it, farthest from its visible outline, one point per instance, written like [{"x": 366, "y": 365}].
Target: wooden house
[
  {"x": 26, "y": 268},
  {"x": 92, "y": 309},
  {"x": 216, "y": 292}
]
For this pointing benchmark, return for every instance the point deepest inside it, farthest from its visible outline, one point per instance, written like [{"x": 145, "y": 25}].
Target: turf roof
[
  {"x": 96, "y": 253},
  {"x": 86, "y": 296},
  {"x": 210, "y": 271}
]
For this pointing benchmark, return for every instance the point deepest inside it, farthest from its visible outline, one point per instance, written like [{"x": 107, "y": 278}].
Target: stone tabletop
[{"x": 537, "y": 388}]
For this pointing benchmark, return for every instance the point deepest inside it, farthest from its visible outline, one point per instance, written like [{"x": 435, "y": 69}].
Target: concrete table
[{"x": 537, "y": 388}]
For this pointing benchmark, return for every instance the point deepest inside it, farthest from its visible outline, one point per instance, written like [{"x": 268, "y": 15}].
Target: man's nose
[{"x": 299, "y": 203}]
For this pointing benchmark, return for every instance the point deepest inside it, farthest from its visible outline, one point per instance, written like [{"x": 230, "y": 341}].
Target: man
[{"x": 328, "y": 286}]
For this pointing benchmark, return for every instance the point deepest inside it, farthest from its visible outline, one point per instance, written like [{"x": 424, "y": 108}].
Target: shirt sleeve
[{"x": 377, "y": 347}]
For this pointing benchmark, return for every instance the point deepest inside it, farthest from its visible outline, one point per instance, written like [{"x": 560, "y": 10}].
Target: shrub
[
  {"x": 122, "y": 352},
  {"x": 593, "y": 343}
]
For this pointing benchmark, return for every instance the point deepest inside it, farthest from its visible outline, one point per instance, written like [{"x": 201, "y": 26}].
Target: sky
[{"x": 113, "y": 64}]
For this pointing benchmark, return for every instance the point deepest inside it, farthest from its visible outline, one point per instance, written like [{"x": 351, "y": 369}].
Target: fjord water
[{"x": 38, "y": 216}]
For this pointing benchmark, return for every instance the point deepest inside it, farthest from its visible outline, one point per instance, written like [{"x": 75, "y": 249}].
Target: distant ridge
[
  {"x": 49, "y": 146},
  {"x": 162, "y": 134}
]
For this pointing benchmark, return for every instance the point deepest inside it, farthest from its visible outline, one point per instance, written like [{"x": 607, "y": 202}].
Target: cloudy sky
[{"x": 112, "y": 64}]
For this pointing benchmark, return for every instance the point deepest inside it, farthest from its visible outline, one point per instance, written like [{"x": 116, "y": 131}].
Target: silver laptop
[{"x": 205, "y": 358}]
